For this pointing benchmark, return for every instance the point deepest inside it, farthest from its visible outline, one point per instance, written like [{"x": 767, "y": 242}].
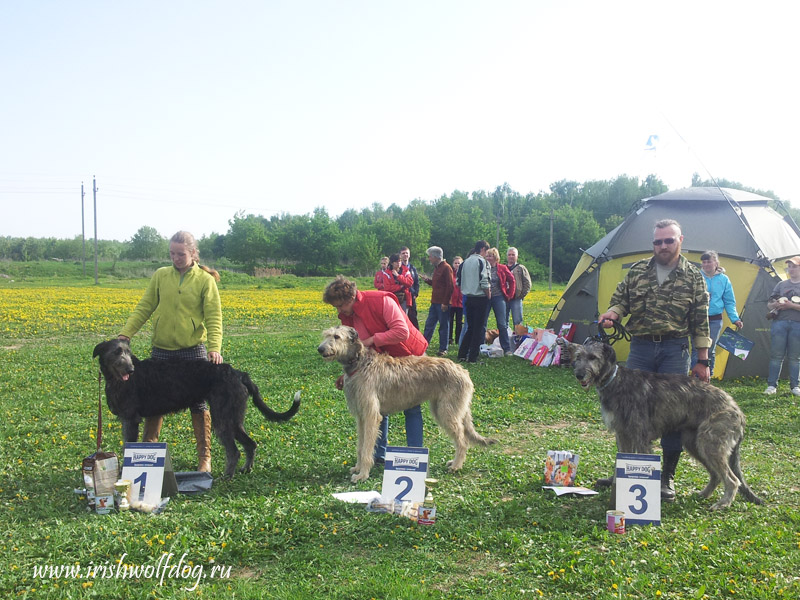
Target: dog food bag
[
  {"x": 567, "y": 331},
  {"x": 100, "y": 472},
  {"x": 560, "y": 467}
]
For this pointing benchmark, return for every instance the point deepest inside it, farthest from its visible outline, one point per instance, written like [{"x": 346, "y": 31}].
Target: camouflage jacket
[{"x": 679, "y": 306}]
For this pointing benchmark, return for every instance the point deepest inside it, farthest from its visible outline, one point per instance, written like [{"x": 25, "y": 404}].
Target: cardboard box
[{"x": 522, "y": 329}]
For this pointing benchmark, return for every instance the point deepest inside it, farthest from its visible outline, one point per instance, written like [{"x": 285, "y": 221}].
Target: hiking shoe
[
  {"x": 772, "y": 390},
  {"x": 444, "y": 353},
  {"x": 509, "y": 353},
  {"x": 796, "y": 390}
]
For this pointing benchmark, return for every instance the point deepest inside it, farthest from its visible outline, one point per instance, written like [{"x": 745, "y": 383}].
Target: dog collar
[{"x": 609, "y": 380}]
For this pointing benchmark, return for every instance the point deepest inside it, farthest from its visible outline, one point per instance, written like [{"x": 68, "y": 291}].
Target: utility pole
[
  {"x": 94, "y": 193},
  {"x": 499, "y": 218},
  {"x": 83, "y": 230},
  {"x": 550, "y": 282}
]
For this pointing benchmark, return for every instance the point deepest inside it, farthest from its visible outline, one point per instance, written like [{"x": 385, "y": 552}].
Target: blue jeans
[
  {"x": 498, "y": 305},
  {"x": 413, "y": 432},
  {"x": 784, "y": 341},
  {"x": 442, "y": 317},
  {"x": 668, "y": 356},
  {"x": 715, "y": 328},
  {"x": 514, "y": 308}
]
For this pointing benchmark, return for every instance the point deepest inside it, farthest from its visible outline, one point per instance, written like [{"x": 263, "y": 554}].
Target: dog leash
[
  {"x": 99, "y": 409},
  {"x": 620, "y": 333}
]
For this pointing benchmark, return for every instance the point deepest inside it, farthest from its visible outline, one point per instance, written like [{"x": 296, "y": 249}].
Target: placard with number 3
[{"x": 639, "y": 488}]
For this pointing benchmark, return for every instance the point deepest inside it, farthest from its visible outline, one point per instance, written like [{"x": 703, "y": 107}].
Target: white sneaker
[
  {"x": 796, "y": 390},
  {"x": 771, "y": 390}
]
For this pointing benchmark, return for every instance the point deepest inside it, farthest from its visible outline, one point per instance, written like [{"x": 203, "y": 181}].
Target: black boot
[{"x": 668, "y": 476}]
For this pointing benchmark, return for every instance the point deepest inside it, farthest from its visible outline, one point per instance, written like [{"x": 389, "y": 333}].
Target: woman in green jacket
[{"x": 183, "y": 301}]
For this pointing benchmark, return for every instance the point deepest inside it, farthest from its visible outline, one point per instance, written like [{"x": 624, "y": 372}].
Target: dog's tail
[
  {"x": 266, "y": 410},
  {"x": 473, "y": 437},
  {"x": 744, "y": 489}
]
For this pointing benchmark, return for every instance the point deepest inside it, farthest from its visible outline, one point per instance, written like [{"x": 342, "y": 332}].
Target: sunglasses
[{"x": 667, "y": 241}]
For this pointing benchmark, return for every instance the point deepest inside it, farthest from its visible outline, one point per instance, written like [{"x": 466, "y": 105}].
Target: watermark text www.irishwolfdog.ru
[{"x": 167, "y": 568}]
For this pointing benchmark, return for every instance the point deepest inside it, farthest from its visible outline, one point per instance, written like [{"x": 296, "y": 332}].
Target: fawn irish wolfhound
[
  {"x": 376, "y": 385},
  {"x": 148, "y": 388},
  {"x": 640, "y": 407}
]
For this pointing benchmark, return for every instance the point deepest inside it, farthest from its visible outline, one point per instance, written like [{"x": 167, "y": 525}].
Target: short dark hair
[
  {"x": 709, "y": 255},
  {"x": 480, "y": 245},
  {"x": 339, "y": 290}
]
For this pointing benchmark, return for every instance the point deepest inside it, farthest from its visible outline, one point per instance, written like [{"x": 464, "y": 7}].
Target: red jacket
[
  {"x": 442, "y": 283},
  {"x": 456, "y": 300},
  {"x": 399, "y": 285},
  {"x": 507, "y": 283},
  {"x": 379, "y": 279},
  {"x": 369, "y": 308}
]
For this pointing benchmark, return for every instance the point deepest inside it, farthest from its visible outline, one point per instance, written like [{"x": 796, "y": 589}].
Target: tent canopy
[{"x": 752, "y": 241}]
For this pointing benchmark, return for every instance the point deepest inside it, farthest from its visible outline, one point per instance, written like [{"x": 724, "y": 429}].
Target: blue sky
[{"x": 188, "y": 112}]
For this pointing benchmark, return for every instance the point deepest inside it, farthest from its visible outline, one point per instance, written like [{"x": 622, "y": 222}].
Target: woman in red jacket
[
  {"x": 398, "y": 282},
  {"x": 380, "y": 274},
  {"x": 503, "y": 288},
  {"x": 382, "y": 325}
]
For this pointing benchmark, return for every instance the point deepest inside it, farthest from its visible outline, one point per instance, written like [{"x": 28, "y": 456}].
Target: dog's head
[
  {"x": 593, "y": 362},
  {"x": 339, "y": 343},
  {"x": 116, "y": 360}
]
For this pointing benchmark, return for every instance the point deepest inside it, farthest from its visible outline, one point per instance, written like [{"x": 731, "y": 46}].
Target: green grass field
[{"x": 278, "y": 533}]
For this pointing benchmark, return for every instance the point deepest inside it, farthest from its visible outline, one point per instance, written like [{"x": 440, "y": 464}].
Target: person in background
[
  {"x": 405, "y": 258},
  {"x": 503, "y": 288},
  {"x": 187, "y": 314},
  {"x": 667, "y": 301},
  {"x": 439, "y": 312},
  {"x": 382, "y": 325},
  {"x": 379, "y": 275},
  {"x": 456, "y": 304},
  {"x": 475, "y": 282},
  {"x": 523, "y": 282},
  {"x": 398, "y": 282},
  {"x": 784, "y": 307},
  {"x": 721, "y": 297}
]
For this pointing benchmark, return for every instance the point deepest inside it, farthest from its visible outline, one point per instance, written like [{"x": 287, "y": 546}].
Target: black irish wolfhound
[
  {"x": 148, "y": 388},
  {"x": 640, "y": 407}
]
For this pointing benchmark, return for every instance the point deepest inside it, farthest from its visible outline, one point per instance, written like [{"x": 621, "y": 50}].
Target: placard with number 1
[{"x": 148, "y": 467}]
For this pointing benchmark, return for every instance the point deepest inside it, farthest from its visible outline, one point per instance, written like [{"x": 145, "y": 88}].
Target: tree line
[{"x": 319, "y": 244}]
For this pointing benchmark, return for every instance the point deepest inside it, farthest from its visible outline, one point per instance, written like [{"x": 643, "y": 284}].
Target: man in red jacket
[
  {"x": 382, "y": 325},
  {"x": 442, "y": 283}
]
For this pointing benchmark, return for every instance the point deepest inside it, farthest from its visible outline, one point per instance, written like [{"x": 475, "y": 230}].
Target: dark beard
[{"x": 665, "y": 259}]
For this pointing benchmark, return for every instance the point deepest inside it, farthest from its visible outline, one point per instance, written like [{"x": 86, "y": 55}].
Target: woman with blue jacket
[{"x": 721, "y": 297}]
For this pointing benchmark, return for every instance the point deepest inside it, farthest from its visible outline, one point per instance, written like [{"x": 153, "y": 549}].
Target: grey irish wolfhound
[
  {"x": 376, "y": 385},
  {"x": 640, "y": 407},
  {"x": 148, "y": 388}
]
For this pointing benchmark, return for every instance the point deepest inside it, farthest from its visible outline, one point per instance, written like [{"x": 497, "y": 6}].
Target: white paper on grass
[
  {"x": 560, "y": 490},
  {"x": 357, "y": 497}
]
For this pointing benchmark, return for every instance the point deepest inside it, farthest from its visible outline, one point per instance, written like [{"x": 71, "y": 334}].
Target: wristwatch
[{"x": 703, "y": 361}]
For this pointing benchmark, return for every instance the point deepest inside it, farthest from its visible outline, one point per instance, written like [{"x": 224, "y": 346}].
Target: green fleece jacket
[{"x": 185, "y": 313}]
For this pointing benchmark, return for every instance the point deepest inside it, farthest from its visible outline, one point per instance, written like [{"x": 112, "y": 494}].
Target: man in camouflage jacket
[{"x": 667, "y": 301}]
